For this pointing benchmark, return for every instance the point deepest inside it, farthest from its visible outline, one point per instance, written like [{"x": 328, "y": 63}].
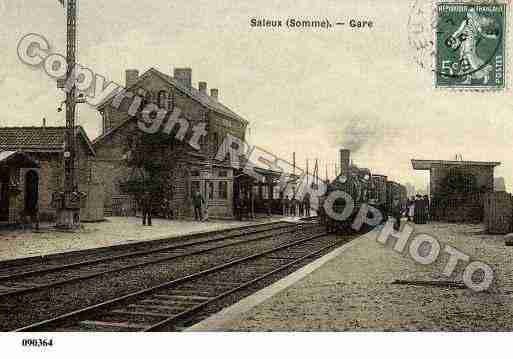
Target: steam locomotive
[{"x": 363, "y": 187}]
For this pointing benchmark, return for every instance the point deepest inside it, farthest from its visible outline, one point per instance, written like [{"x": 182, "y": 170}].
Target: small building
[
  {"x": 457, "y": 188},
  {"x": 40, "y": 151},
  {"x": 18, "y": 195}
]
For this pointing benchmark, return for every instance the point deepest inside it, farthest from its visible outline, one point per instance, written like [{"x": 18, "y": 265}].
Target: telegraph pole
[{"x": 68, "y": 202}]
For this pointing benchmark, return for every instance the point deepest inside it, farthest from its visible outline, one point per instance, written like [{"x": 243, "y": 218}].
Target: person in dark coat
[
  {"x": 293, "y": 206},
  {"x": 396, "y": 213},
  {"x": 301, "y": 208},
  {"x": 237, "y": 206},
  {"x": 306, "y": 204},
  {"x": 427, "y": 212},
  {"x": 420, "y": 210},
  {"x": 286, "y": 206},
  {"x": 146, "y": 208},
  {"x": 197, "y": 202}
]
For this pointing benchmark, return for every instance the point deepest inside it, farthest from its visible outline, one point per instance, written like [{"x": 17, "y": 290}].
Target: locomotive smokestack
[{"x": 345, "y": 157}]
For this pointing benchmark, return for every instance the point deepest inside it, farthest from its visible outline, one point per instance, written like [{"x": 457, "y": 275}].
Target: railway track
[
  {"x": 25, "y": 279},
  {"x": 179, "y": 303}
]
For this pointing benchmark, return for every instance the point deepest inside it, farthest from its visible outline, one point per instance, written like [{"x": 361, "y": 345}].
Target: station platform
[
  {"x": 24, "y": 243},
  {"x": 352, "y": 289}
]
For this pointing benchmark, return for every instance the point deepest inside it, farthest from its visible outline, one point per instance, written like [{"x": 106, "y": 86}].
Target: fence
[
  {"x": 498, "y": 212},
  {"x": 123, "y": 206},
  {"x": 459, "y": 208}
]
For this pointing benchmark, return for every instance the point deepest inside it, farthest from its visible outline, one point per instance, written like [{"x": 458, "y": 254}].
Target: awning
[{"x": 17, "y": 159}]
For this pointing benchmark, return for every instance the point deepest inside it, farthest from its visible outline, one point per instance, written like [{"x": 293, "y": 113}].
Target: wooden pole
[{"x": 307, "y": 179}]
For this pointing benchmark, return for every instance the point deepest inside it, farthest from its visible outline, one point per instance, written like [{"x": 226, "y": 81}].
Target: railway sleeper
[{"x": 98, "y": 325}]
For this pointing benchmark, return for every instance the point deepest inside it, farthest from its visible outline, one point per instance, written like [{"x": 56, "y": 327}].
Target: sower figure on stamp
[
  {"x": 466, "y": 39},
  {"x": 146, "y": 207}
]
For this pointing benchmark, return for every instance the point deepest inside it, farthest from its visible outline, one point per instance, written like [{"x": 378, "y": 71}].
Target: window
[
  {"x": 265, "y": 192},
  {"x": 162, "y": 100},
  {"x": 276, "y": 192},
  {"x": 223, "y": 190},
  {"x": 223, "y": 173},
  {"x": 195, "y": 173}
]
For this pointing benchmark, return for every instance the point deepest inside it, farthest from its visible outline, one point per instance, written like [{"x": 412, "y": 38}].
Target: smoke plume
[{"x": 360, "y": 131}]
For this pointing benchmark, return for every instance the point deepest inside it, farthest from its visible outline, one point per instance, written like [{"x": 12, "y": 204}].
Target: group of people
[
  {"x": 294, "y": 207},
  {"x": 244, "y": 207},
  {"x": 291, "y": 207},
  {"x": 146, "y": 203},
  {"x": 418, "y": 209}
]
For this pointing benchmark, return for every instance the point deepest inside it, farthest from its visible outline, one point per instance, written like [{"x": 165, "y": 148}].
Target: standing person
[
  {"x": 306, "y": 204},
  {"x": 237, "y": 204},
  {"x": 293, "y": 206},
  {"x": 301, "y": 207},
  {"x": 427, "y": 214},
  {"x": 146, "y": 208},
  {"x": 286, "y": 205},
  {"x": 417, "y": 209},
  {"x": 268, "y": 203},
  {"x": 197, "y": 202},
  {"x": 396, "y": 213},
  {"x": 411, "y": 208}
]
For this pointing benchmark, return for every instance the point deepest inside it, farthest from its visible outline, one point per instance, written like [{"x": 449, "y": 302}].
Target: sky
[{"x": 305, "y": 91}]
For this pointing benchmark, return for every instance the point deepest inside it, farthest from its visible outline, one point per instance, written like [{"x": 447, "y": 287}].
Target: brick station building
[
  {"x": 185, "y": 169},
  {"x": 458, "y": 188}
]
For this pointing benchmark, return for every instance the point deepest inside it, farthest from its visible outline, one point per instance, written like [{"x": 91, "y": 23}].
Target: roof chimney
[
  {"x": 202, "y": 86},
  {"x": 214, "y": 93},
  {"x": 184, "y": 76},
  {"x": 345, "y": 156},
  {"x": 44, "y": 122},
  {"x": 131, "y": 77}
]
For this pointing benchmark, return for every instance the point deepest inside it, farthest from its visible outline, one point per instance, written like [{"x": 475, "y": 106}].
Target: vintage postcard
[{"x": 240, "y": 166}]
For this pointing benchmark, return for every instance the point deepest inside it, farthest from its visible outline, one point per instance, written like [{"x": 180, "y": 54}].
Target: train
[{"x": 364, "y": 187}]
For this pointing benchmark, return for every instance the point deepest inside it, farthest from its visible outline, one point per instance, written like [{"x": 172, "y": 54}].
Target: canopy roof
[
  {"x": 425, "y": 165},
  {"x": 17, "y": 159}
]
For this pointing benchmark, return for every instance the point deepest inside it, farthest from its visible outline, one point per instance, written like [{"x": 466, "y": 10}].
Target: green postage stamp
[{"x": 470, "y": 46}]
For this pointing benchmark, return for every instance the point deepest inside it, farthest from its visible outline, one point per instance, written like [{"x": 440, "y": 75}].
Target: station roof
[
  {"x": 425, "y": 165},
  {"x": 38, "y": 139}
]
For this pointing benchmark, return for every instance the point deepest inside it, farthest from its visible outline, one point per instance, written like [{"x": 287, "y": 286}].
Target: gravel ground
[
  {"x": 355, "y": 291},
  {"x": 37, "y": 306}
]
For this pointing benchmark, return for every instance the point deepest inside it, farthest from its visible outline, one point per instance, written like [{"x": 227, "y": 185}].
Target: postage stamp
[{"x": 470, "y": 46}]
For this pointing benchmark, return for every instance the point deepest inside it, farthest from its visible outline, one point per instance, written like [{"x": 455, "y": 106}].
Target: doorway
[
  {"x": 4, "y": 195},
  {"x": 31, "y": 192}
]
